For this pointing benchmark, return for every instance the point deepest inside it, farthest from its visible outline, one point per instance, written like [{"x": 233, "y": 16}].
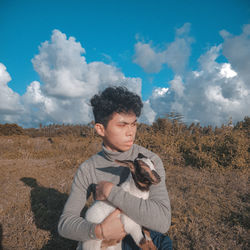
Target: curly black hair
[{"x": 115, "y": 100}]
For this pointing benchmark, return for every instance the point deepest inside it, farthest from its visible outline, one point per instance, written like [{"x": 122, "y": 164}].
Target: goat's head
[{"x": 143, "y": 171}]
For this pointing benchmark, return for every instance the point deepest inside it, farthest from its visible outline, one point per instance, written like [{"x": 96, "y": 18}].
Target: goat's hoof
[
  {"x": 143, "y": 244},
  {"x": 143, "y": 241},
  {"x": 147, "y": 245},
  {"x": 151, "y": 245}
]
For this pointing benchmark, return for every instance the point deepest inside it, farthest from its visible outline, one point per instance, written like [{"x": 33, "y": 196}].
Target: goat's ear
[
  {"x": 140, "y": 155},
  {"x": 127, "y": 163},
  {"x": 156, "y": 178}
]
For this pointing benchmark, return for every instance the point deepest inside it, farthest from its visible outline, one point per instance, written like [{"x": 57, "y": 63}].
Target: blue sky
[{"x": 139, "y": 39}]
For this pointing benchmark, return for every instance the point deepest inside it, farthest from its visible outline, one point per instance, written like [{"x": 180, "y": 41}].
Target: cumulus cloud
[
  {"x": 67, "y": 84},
  {"x": 148, "y": 114},
  {"x": 150, "y": 60},
  {"x": 175, "y": 55},
  {"x": 10, "y": 105},
  {"x": 237, "y": 50},
  {"x": 215, "y": 91},
  {"x": 66, "y": 74},
  {"x": 210, "y": 94}
]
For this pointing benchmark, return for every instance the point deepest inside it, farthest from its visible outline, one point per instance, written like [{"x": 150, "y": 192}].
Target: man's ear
[{"x": 99, "y": 128}]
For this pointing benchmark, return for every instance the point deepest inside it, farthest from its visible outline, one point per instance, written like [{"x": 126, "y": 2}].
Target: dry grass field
[{"x": 210, "y": 205}]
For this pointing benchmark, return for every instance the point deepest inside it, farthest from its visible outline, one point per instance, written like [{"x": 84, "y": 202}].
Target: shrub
[{"x": 11, "y": 129}]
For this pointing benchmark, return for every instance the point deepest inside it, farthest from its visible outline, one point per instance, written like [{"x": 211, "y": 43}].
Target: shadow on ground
[
  {"x": 1, "y": 237},
  {"x": 47, "y": 205}
]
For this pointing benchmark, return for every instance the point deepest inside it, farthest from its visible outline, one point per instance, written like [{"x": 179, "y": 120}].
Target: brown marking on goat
[
  {"x": 143, "y": 244},
  {"x": 149, "y": 242},
  {"x": 147, "y": 245}
]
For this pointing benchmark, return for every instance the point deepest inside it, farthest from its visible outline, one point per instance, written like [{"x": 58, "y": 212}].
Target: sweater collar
[{"x": 112, "y": 156}]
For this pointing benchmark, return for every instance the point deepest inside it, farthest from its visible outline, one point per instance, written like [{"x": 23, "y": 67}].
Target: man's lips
[{"x": 129, "y": 142}]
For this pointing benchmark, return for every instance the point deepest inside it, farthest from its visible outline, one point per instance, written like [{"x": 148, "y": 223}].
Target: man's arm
[
  {"x": 72, "y": 226},
  {"x": 157, "y": 206}
]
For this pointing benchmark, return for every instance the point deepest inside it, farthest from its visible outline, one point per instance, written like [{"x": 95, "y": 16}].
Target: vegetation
[{"x": 207, "y": 176}]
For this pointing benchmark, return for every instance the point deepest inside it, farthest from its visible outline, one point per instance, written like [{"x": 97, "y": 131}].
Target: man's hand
[
  {"x": 103, "y": 190},
  {"x": 111, "y": 229}
]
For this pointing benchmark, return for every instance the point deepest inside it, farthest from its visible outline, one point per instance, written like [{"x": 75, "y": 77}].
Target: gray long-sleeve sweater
[{"x": 153, "y": 213}]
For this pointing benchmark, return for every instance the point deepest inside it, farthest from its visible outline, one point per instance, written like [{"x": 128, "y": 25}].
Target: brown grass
[{"x": 210, "y": 205}]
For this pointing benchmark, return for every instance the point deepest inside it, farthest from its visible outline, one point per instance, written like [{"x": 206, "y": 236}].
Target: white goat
[{"x": 142, "y": 176}]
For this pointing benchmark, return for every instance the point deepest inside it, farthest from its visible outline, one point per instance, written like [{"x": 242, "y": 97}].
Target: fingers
[
  {"x": 112, "y": 226},
  {"x": 116, "y": 212},
  {"x": 103, "y": 190}
]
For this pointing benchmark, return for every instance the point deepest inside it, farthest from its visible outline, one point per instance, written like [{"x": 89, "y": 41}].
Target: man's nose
[{"x": 129, "y": 131}]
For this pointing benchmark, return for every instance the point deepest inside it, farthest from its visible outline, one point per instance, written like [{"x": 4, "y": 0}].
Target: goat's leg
[
  {"x": 132, "y": 228},
  {"x": 137, "y": 236},
  {"x": 149, "y": 240}
]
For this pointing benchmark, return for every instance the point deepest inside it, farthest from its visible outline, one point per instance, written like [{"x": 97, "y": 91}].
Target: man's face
[{"x": 119, "y": 134}]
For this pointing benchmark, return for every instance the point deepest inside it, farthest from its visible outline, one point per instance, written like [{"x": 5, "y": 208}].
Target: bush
[{"x": 11, "y": 129}]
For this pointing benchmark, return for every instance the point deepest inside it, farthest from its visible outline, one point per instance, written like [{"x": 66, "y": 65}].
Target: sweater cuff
[{"x": 92, "y": 234}]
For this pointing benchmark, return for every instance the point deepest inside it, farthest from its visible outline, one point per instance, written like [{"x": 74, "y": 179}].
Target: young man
[{"x": 116, "y": 110}]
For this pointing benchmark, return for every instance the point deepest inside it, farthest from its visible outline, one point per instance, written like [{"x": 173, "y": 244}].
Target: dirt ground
[{"x": 210, "y": 208}]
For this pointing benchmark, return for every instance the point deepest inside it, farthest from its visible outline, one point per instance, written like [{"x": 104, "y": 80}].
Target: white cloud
[
  {"x": 10, "y": 105},
  {"x": 68, "y": 83},
  {"x": 62, "y": 67},
  {"x": 184, "y": 30},
  {"x": 158, "y": 101},
  {"x": 147, "y": 58},
  {"x": 177, "y": 86},
  {"x": 237, "y": 50},
  {"x": 159, "y": 92},
  {"x": 175, "y": 55},
  {"x": 148, "y": 114},
  {"x": 213, "y": 93},
  {"x": 210, "y": 94},
  {"x": 226, "y": 71},
  {"x": 66, "y": 74}
]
